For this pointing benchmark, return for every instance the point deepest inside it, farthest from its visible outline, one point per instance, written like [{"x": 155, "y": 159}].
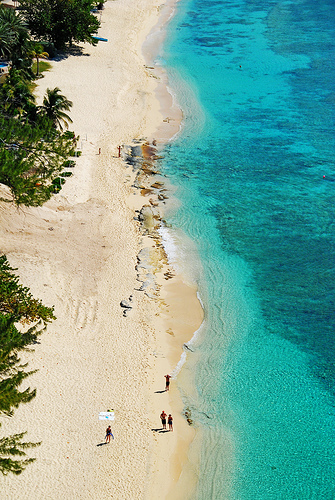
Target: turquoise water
[{"x": 254, "y": 171}]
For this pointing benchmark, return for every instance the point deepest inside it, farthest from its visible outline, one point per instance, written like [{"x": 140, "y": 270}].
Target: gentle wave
[{"x": 248, "y": 168}]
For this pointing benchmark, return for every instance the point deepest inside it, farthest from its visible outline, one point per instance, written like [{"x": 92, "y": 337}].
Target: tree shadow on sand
[{"x": 74, "y": 50}]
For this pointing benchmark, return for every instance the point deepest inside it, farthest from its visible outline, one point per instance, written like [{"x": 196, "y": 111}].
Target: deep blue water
[{"x": 254, "y": 170}]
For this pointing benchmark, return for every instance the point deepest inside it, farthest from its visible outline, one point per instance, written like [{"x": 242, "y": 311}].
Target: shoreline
[
  {"x": 176, "y": 317},
  {"x": 178, "y": 295},
  {"x": 79, "y": 252},
  {"x": 172, "y": 113}
]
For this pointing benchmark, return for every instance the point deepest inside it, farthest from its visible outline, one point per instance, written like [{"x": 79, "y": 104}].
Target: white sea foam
[
  {"x": 199, "y": 298},
  {"x": 196, "y": 334},
  {"x": 183, "y": 356},
  {"x": 179, "y": 365},
  {"x": 169, "y": 244},
  {"x": 181, "y": 253}
]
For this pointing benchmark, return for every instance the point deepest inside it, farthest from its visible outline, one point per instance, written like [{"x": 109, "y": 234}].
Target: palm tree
[
  {"x": 15, "y": 21},
  {"x": 6, "y": 40},
  {"x": 54, "y": 105},
  {"x": 37, "y": 53},
  {"x": 14, "y": 36},
  {"x": 16, "y": 98}
]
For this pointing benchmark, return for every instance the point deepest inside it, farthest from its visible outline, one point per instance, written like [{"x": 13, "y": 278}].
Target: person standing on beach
[
  {"x": 170, "y": 420},
  {"x": 109, "y": 434},
  {"x": 163, "y": 419},
  {"x": 167, "y": 382}
]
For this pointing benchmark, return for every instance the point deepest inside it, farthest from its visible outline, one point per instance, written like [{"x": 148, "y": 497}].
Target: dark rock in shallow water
[
  {"x": 144, "y": 285},
  {"x": 187, "y": 414},
  {"x": 126, "y": 304},
  {"x": 188, "y": 348}
]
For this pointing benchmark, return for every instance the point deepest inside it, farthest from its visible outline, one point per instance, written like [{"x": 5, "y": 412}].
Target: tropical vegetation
[
  {"x": 60, "y": 22},
  {"x": 34, "y": 149},
  {"x": 17, "y": 307},
  {"x": 35, "y": 155},
  {"x": 14, "y": 39},
  {"x": 37, "y": 52},
  {"x": 54, "y": 105}
]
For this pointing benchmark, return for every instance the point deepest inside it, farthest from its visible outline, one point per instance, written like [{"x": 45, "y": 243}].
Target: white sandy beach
[{"x": 79, "y": 253}]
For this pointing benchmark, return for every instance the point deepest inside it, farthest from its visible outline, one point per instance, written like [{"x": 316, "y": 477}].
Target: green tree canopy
[
  {"x": 13, "y": 446},
  {"x": 61, "y": 22},
  {"x": 32, "y": 150},
  {"x": 16, "y": 98},
  {"x": 11, "y": 372},
  {"x": 14, "y": 38},
  {"x": 16, "y": 301},
  {"x": 14, "y": 21},
  {"x": 32, "y": 158},
  {"x": 6, "y": 40},
  {"x": 16, "y": 304},
  {"x": 54, "y": 105}
]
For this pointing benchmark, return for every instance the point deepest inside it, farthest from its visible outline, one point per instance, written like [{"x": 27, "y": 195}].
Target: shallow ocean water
[{"x": 254, "y": 172}]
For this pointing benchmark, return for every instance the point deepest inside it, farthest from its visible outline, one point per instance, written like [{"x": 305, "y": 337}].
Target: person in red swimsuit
[
  {"x": 163, "y": 419},
  {"x": 170, "y": 420},
  {"x": 167, "y": 382}
]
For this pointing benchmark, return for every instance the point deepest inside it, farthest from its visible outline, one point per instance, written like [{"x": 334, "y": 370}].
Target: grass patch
[{"x": 44, "y": 66}]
